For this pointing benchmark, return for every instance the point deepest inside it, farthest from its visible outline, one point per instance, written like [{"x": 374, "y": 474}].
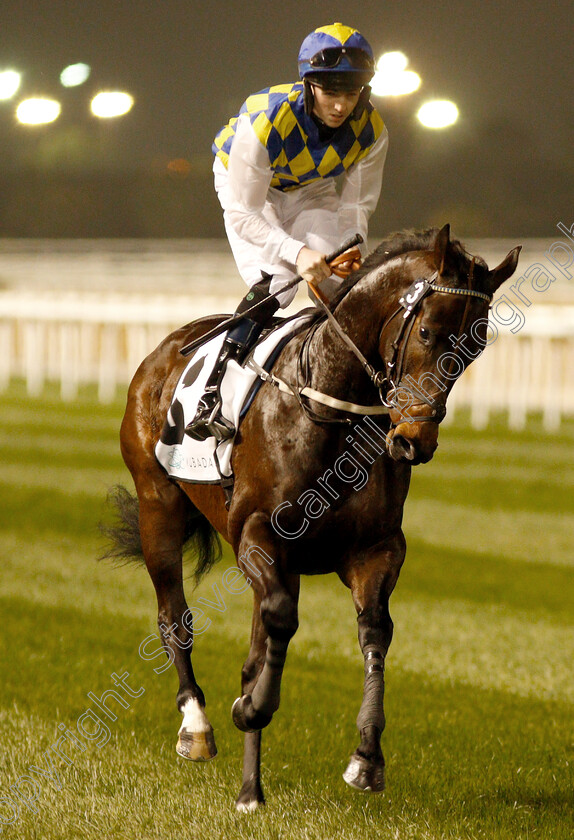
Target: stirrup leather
[{"x": 208, "y": 421}]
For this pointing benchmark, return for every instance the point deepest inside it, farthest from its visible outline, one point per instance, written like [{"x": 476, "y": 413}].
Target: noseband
[{"x": 388, "y": 381}]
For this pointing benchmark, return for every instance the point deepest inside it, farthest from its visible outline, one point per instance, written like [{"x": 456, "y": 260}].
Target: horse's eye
[{"x": 424, "y": 334}]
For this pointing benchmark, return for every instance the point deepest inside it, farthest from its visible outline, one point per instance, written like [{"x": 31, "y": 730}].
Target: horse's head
[{"x": 438, "y": 326}]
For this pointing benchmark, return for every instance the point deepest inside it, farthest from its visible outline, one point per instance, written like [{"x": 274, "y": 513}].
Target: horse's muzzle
[{"x": 413, "y": 442}]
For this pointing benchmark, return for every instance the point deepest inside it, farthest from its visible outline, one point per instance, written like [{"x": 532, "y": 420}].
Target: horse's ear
[
  {"x": 441, "y": 244},
  {"x": 502, "y": 272}
]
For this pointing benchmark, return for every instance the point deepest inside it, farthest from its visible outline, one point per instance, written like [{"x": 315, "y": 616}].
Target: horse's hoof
[
  {"x": 248, "y": 807},
  {"x": 196, "y": 746},
  {"x": 362, "y": 774},
  {"x": 246, "y": 718},
  {"x": 250, "y": 797}
]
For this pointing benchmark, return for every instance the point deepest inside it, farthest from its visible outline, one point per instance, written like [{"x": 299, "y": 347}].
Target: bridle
[{"x": 388, "y": 380}]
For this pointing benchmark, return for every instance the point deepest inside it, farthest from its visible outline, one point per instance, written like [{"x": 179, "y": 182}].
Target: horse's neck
[{"x": 361, "y": 314}]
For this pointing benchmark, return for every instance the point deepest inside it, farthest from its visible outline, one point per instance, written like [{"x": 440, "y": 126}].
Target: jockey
[{"x": 275, "y": 167}]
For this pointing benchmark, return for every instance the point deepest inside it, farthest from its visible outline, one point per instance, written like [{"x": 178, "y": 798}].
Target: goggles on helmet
[{"x": 331, "y": 57}]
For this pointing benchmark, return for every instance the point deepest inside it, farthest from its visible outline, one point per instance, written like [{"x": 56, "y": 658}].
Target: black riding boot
[{"x": 208, "y": 421}]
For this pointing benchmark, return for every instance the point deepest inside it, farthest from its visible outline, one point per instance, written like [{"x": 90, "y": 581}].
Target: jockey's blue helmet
[{"x": 337, "y": 57}]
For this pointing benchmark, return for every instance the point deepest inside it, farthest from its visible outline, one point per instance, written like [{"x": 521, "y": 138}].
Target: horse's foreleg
[
  {"x": 278, "y": 594},
  {"x": 372, "y": 584},
  {"x": 251, "y": 794},
  {"x": 162, "y": 517}
]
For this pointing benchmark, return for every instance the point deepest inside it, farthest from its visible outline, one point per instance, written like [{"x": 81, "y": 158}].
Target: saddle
[{"x": 209, "y": 461}]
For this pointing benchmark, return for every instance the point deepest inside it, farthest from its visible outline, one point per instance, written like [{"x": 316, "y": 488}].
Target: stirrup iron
[{"x": 212, "y": 425}]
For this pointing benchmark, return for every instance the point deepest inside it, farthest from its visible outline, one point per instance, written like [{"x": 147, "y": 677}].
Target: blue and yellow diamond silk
[{"x": 296, "y": 154}]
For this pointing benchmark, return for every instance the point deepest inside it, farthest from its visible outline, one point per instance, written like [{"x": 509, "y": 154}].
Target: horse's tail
[{"x": 123, "y": 534}]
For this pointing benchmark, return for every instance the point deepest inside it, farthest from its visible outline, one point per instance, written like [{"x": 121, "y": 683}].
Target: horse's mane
[{"x": 402, "y": 242}]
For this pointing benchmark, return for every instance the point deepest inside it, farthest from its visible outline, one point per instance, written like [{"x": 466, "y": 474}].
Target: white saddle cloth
[{"x": 207, "y": 462}]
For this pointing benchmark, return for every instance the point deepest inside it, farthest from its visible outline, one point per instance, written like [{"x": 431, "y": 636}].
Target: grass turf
[{"x": 479, "y": 740}]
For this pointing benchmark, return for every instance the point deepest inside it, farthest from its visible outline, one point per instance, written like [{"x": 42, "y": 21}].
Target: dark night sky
[{"x": 190, "y": 65}]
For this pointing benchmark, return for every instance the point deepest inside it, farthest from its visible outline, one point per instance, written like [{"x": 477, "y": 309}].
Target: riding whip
[{"x": 230, "y": 322}]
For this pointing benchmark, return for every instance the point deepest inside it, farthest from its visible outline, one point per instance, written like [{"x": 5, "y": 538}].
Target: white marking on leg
[
  {"x": 247, "y": 807},
  {"x": 194, "y": 718}
]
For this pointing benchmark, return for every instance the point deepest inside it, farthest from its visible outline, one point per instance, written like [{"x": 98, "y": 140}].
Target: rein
[{"x": 386, "y": 382}]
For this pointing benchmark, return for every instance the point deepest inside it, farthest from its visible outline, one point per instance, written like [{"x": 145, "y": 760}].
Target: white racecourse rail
[{"x": 89, "y": 312}]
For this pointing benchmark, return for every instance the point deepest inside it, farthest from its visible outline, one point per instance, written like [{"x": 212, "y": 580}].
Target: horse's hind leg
[{"x": 162, "y": 526}]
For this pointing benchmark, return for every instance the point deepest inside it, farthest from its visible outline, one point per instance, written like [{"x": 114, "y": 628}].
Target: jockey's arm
[
  {"x": 250, "y": 176},
  {"x": 361, "y": 188}
]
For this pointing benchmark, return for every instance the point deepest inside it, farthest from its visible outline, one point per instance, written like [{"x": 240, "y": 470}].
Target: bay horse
[{"x": 403, "y": 328}]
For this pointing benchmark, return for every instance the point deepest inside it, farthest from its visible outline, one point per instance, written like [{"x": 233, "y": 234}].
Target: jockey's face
[{"x": 334, "y": 106}]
